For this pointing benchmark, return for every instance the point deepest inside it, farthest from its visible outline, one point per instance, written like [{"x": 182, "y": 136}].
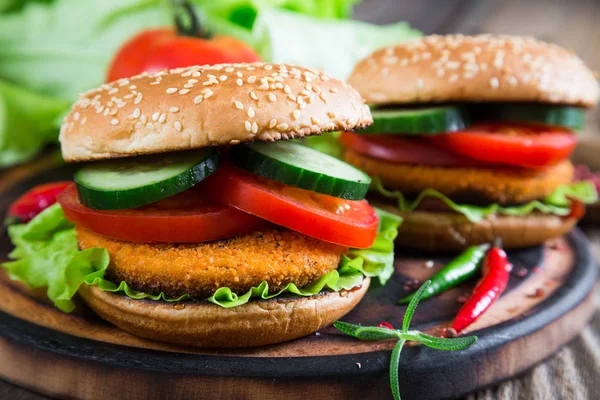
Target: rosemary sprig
[{"x": 403, "y": 335}]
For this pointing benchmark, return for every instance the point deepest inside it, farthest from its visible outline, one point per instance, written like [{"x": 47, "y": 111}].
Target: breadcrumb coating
[
  {"x": 277, "y": 255},
  {"x": 505, "y": 186}
]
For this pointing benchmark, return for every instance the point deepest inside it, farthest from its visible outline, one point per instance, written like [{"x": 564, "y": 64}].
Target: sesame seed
[
  {"x": 420, "y": 83},
  {"x": 162, "y": 118},
  {"x": 291, "y": 97},
  {"x": 128, "y": 96},
  {"x": 251, "y": 79},
  {"x": 171, "y": 90},
  {"x": 272, "y": 123},
  {"x": 113, "y": 91},
  {"x": 282, "y": 126},
  {"x": 296, "y": 114},
  {"x": 138, "y": 99},
  {"x": 512, "y": 80},
  {"x": 322, "y": 96},
  {"x": 314, "y": 120},
  {"x": 188, "y": 85},
  {"x": 114, "y": 121},
  {"x": 196, "y": 74},
  {"x": 253, "y": 95},
  {"x": 193, "y": 80},
  {"x": 239, "y": 74},
  {"x": 83, "y": 120},
  {"x": 239, "y": 82},
  {"x": 251, "y": 112},
  {"x": 197, "y": 100},
  {"x": 138, "y": 125},
  {"x": 264, "y": 86},
  {"x": 333, "y": 90},
  {"x": 494, "y": 82},
  {"x": 254, "y": 127},
  {"x": 178, "y": 126},
  {"x": 229, "y": 69},
  {"x": 144, "y": 119},
  {"x": 155, "y": 116},
  {"x": 248, "y": 126},
  {"x": 176, "y": 109},
  {"x": 239, "y": 105},
  {"x": 76, "y": 116},
  {"x": 453, "y": 78},
  {"x": 136, "y": 113},
  {"x": 223, "y": 78},
  {"x": 154, "y": 83},
  {"x": 207, "y": 93},
  {"x": 331, "y": 114},
  {"x": 272, "y": 97},
  {"x": 149, "y": 126},
  {"x": 287, "y": 89},
  {"x": 184, "y": 91}
]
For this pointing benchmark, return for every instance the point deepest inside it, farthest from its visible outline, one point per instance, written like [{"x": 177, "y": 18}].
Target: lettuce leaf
[
  {"x": 27, "y": 122},
  {"x": 46, "y": 255},
  {"x": 556, "y": 203}
]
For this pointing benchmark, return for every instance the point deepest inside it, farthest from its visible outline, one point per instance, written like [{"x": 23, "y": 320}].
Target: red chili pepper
[
  {"x": 385, "y": 325},
  {"x": 496, "y": 272},
  {"x": 34, "y": 202},
  {"x": 577, "y": 209}
]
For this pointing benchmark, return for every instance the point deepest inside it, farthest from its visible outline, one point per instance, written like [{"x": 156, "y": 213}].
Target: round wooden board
[{"x": 549, "y": 300}]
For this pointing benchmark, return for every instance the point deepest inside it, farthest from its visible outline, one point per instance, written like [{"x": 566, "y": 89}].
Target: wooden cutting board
[{"x": 549, "y": 299}]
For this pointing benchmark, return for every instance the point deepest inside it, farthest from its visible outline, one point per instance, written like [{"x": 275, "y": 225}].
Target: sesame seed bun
[
  {"x": 475, "y": 68},
  {"x": 201, "y": 106},
  {"x": 439, "y": 232},
  {"x": 255, "y": 323}
]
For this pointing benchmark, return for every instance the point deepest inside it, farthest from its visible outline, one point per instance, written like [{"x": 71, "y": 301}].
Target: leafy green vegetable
[
  {"x": 403, "y": 335},
  {"x": 334, "y": 46},
  {"x": 327, "y": 143},
  {"x": 47, "y": 255},
  {"x": 556, "y": 203},
  {"x": 27, "y": 121}
]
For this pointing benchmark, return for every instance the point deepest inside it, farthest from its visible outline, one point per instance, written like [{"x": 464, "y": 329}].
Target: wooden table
[{"x": 572, "y": 24}]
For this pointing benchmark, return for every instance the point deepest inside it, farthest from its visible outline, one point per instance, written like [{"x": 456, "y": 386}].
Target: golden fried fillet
[
  {"x": 277, "y": 255},
  {"x": 472, "y": 185}
]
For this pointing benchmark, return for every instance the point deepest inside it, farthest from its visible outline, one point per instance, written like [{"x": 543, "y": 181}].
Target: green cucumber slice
[
  {"x": 418, "y": 121},
  {"x": 303, "y": 167},
  {"x": 566, "y": 116},
  {"x": 134, "y": 182}
]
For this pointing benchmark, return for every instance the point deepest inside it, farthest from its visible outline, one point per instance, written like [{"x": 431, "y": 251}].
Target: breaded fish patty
[
  {"x": 277, "y": 255},
  {"x": 470, "y": 185}
]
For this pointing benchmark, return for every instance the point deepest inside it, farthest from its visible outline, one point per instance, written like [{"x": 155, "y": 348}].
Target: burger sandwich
[
  {"x": 193, "y": 222},
  {"x": 472, "y": 137}
]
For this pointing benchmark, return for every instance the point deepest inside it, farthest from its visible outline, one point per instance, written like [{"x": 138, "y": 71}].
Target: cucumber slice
[
  {"x": 303, "y": 167},
  {"x": 134, "y": 182},
  {"x": 569, "y": 117},
  {"x": 418, "y": 121}
]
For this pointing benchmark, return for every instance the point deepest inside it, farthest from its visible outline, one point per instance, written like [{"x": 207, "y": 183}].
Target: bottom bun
[
  {"x": 439, "y": 232},
  {"x": 255, "y": 323}
]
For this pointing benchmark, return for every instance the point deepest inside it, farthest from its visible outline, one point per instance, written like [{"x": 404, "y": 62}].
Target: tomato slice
[
  {"x": 405, "y": 150},
  {"x": 34, "y": 201},
  {"x": 345, "y": 222},
  {"x": 529, "y": 146},
  {"x": 189, "y": 217}
]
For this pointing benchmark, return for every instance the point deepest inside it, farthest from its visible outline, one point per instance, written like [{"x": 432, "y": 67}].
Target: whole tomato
[{"x": 157, "y": 49}]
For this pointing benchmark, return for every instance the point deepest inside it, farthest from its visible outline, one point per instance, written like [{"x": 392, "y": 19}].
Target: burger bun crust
[
  {"x": 256, "y": 323},
  {"x": 458, "y": 68},
  {"x": 440, "y": 232},
  {"x": 202, "y": 106}
]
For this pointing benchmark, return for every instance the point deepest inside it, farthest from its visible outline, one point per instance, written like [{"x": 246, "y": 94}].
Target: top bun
[
  {"x": 475, "y": 68},
  {"x": 200, "y": 106}
]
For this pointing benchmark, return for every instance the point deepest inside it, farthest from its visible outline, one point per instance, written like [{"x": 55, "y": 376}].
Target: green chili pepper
[{"x": 462, "y": 268}]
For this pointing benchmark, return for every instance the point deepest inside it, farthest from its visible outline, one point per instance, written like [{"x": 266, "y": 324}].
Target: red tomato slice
[
  {"x": 521, "y": 145},
  {"x": 34, "y": 201},
  {"x": 405, "y": 150},
  {"x": 189, "y": 217},
  {"x": 344, "y": 222}
]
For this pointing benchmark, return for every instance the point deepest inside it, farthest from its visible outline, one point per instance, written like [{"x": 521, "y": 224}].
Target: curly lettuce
[
  {"x": 558, "y": 202},
  {"x": 46, "y": 255}
]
